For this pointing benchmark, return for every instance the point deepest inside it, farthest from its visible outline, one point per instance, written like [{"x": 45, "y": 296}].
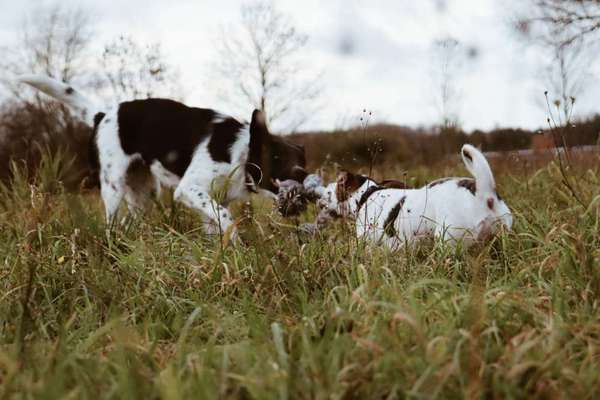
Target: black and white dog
[
  {"x": 180, "y": 147},
  {"x": 453, "y": 209}
]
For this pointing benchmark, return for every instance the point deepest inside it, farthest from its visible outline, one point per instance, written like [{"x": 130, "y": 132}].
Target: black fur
[
  {"x": 438, "y": 182},
  {"x": 224, "y": 135},
  {"x": 97, "y": 119},
  {"x": 385, "y": 184},
  {"x": 169, "y": 131},
  {"x": 157, "y": 128},
  {"x": 394, "y": 184},
  {"x": 257, "y": 149},
  {"x": 468, "y": 184},
  {"x": 467, "y": 155},
  {"x": 271, "y": 157},
  {"x": 365, "y": 196},
  {"x": 388, "y": 226}
]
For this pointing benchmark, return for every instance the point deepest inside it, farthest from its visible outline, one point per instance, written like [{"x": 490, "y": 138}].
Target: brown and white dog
[
  {"x": 185, "y": 148},
  {"x": 453, "y": 209}
]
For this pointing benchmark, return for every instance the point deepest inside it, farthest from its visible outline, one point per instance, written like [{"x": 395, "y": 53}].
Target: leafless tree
[
  {"x": 565, "y": 77},
  {"x": 566, "y": 31},
  {"x": 263, "y": 66},
  {"x": 132, "y": 70},
  {"x": 53, "y": 41},
  {"x": 562, "y": 21},
  {"x": 447, "y": 62}
]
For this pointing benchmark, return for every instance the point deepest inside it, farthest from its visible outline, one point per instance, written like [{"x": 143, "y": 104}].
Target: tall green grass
[{"x": 154, "y": 308}]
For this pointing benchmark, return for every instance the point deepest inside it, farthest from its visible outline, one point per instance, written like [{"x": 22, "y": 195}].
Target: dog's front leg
[{"x": 196, "y": 196}]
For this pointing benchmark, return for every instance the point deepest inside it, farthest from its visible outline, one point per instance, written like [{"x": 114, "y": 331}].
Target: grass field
[{"x": 156, "y": 309}]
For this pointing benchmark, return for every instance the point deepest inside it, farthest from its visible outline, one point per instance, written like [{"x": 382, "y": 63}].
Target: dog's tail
[
  {"x": 85, "y": 108},
  {"x": 478, "y": 166}
]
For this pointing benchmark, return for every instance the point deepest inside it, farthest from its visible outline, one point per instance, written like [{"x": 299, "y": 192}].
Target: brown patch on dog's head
[
  {"x": 346, "y": 184},
  {"x": 272, "y": 157}
]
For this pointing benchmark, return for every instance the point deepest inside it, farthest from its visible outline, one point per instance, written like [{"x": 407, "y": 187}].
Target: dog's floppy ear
[
  {"x": 259, "y": 133},
  {"x": 259, "y": 148},
  {"x": 340, "y": 185},
  {"x": 344, "y": 176},
  {"x": 348, "y": 183}
]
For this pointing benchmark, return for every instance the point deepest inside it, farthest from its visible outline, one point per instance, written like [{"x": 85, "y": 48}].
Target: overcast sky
[{"x": 387, "y": 68}]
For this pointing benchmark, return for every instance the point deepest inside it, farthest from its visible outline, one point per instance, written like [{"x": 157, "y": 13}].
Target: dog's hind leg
[
  {"x": 140, "y": 184},
  {"x": 197, "y": 196},
  {"x": 162, "y": 177},
  {"x": 114, "y": 163},
  {"x": 137, "y": 198},
  {"x": 113, "y": 175}
]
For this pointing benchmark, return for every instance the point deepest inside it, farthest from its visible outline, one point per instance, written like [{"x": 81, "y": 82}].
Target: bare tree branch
[
  {"x": 53, "y": 41},
  {"x": 263, "y": 65},
  {"x": 446, "y": 67},
  {"x": 566, "y": 30},
  {"x": 565, "y": 77},
  {"x": 561, "y": 22},
  {"x": 134, "y": 71}
]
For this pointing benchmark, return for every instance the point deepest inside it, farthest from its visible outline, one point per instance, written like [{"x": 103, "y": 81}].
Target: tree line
[{"x": 385, "y": 144}]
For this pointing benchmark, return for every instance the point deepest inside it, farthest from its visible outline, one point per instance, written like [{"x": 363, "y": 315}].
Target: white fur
[
  {"x": 444, "y": 210},
  {"x": 163, "y": 176},
  {"x": 200, "y": 180}
]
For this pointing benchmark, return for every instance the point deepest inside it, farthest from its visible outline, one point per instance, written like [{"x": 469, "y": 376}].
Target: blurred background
[{"x": 358, "y": 82}]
